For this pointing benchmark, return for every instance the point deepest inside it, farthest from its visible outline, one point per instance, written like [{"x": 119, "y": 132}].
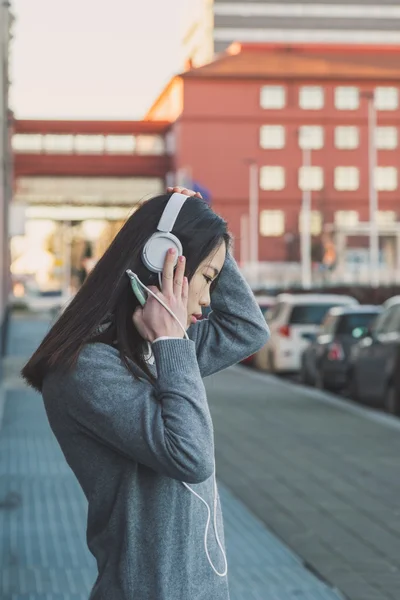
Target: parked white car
[{"x": 294, "y": 321}]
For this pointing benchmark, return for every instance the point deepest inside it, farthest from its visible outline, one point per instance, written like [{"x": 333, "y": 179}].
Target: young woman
[{"x": 123, "y": 391}]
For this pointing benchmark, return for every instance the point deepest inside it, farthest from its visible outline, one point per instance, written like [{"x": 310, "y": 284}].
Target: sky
[{"x": 92, "y": 59}]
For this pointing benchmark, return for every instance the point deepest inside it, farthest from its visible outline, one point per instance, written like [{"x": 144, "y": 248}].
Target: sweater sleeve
[
  {"x": 235, "y": 328},
  {"x": 166, "y": 427}
]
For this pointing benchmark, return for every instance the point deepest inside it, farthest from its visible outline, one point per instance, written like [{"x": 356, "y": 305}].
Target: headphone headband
[{"x": 171, "y": 212}]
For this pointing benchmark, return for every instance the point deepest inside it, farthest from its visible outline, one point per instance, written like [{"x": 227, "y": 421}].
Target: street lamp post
[
  {"x": 373, "y": 193},
  {"x": 253, "y": 212},
  {"x": 305, "y": 229}
]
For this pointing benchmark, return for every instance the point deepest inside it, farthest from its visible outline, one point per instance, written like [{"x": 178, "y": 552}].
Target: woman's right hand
[{"x": 152, "y": 320}]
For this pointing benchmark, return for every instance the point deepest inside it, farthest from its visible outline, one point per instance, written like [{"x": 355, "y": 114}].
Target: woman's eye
[{"x": 208, "y": 279}]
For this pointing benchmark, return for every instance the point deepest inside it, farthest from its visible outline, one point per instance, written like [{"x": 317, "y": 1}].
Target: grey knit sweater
[{"x": 131, "y": 445}]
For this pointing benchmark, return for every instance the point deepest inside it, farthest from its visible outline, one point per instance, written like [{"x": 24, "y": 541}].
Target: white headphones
[{"x": 159, "y": 243}]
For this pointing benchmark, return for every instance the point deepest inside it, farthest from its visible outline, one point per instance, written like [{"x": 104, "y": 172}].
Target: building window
[
  {"x": 120, "y": 144},
  {"x": 272, "y": 136},
  {"x": 386, "y": 98},
  {"x": 273, "y": 96},
  {"x": 272, "y": 223},
  {"x": 347, "y": 138},
  {"x": 346, "y": 218},
  {"x": 89, "y": 143},
  {"x": 272, "y": 178},
  {"x": 311, "y": 178},
  {"x": 386, "y": 138},
  {"x": 58, "y": 143},
  {"x": 386, "y": 179},
  {"x": 347, "y": 98},
  {"x": 311, "y": 97},
  {"x": 150, "y": 145},
  {"x": 386, "y": 217},
  {"x": 311, "y": 137},
  {"x": 27, "y": 142},
  {"x": 347, "y": 178},
  {"x": 315, "y": 222}
]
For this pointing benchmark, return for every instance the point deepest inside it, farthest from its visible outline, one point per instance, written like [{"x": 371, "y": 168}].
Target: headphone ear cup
[{"x": 156, "y": 248}]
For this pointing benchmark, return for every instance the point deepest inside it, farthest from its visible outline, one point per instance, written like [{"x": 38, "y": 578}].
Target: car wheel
[
  {"x": 304, "y": 376},
  {"x": 352, "y": 386},
  {"x": 392, "y": 400},
  {"x": 270, "y": 362},
  {"x": 319, "y": 380}
]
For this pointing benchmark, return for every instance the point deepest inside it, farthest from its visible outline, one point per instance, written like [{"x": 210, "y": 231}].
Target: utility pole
[
  {"x": 253, "y": 212},
  {"x": 373, "y": 194},
  {"x": 305, "y": 221}
]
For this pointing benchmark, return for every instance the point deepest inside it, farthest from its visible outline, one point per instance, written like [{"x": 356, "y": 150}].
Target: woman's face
[{"x": 199, "y": 285}]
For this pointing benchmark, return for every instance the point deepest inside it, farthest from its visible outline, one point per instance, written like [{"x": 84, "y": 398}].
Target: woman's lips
[{"x": 196, "y": 318}]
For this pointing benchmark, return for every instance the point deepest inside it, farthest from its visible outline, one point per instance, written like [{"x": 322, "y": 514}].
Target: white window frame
[
  {"x": 27, "y": 143},
  {"x": 89, "y": 144},
  {"x": 386, "y": 179},
  {"x": 311, "y": 178},
  {"x": 347, "y": 97},
  {"x": 277, "y": 216},
  {"x": 120, "y": 144},
  {"x": 272, "y": 177},
  {"x": 51, "y": 146},
  {"x": 347, "y": 178},
  {"x": 311, "y": 137},
  {"x": 272, "y": 137},
  {"x": 315, "y": 222},
  {"x": 346, "y": 218},
  {"x": 306, "y": 103},
  {"x": 390, "y": 102},
  {"x": 340, "y": 137},
  {"x": 386, "y": 138},
  {"x": 386, "y": 217},
  {"x": 269, "y": 103}
]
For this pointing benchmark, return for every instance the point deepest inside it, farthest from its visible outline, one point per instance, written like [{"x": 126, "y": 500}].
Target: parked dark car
[
  {"x": 325, "y": 363},
  {"x": 374, "y": 375}
]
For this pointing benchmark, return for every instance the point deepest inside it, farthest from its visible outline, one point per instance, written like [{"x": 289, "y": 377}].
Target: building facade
[
  {"x": 76, "y": 182},
  {"x": 300, "y": 114},
  {"x": 197, "y": 32},
  {"x": 320, "y": 21},
  {"x": 5, "y": 168}
]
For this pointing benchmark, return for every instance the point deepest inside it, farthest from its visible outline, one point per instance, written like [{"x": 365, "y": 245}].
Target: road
[{"x": 321, "y": 473}]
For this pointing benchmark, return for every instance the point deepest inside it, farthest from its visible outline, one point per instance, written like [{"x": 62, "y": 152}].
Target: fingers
[
  {"x": 185, "y": 191},
  {"x": 185, "y": 291},
  {"x": 179, "y": 275},
  {"x": 168, "y": 273}
]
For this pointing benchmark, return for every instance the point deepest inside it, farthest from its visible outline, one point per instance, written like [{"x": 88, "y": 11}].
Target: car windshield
[
  {"x": 355, "y": 325},
  {"x": 309, "y": 314}
]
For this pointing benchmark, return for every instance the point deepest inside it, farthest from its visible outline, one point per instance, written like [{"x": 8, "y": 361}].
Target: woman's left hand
[{"x": 185, "y": 191}]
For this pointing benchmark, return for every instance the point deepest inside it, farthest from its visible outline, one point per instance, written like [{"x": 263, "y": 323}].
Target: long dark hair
[{"x": 106, "y": 296}]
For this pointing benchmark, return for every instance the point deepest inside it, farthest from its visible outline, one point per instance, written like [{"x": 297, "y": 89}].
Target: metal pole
[
  {"x": 67, "y": 258},
  {"x": 253, "y": 212},
  {"x": 373, "y": 196},
  {"x": 244, "y": 239},
  {"x": 305, "y": 221}
]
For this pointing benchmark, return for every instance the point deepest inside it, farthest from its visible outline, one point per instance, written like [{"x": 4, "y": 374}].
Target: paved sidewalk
[
  {"x": 320, "y": 472},
  {"x": 43, "y": 554}
]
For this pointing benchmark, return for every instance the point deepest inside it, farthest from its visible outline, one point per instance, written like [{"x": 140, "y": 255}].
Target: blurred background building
[
  {"x": 336, "y": 21},
  {"x": 274, "y": 106},
  {"x": 5, "y": 166},
  {"x": 197, "y": 32}
]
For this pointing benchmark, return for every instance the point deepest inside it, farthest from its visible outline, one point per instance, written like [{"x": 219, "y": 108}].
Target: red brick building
[{"x": 267, "y": 103}]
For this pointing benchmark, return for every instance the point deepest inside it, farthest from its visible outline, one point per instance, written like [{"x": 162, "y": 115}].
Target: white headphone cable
[
  {"x": 131, "y": 274},
  {"x": 223, "y": 574}
]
